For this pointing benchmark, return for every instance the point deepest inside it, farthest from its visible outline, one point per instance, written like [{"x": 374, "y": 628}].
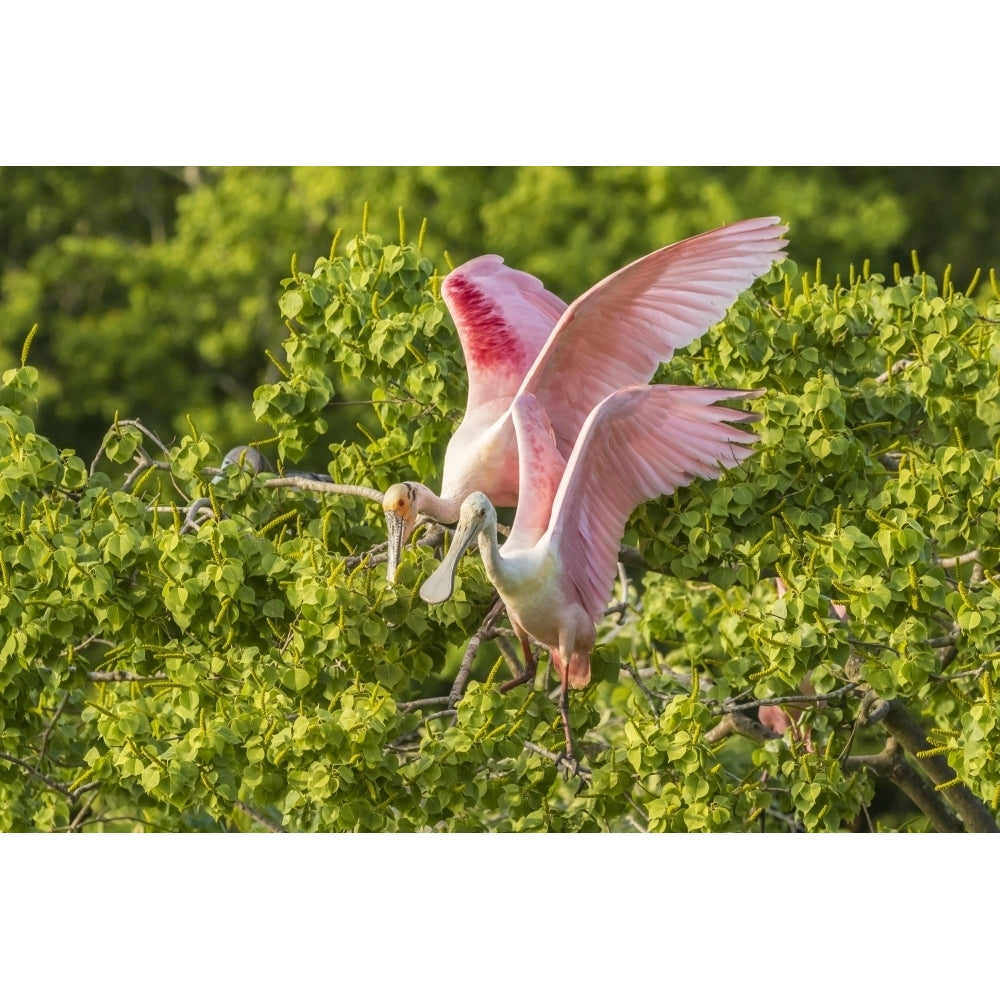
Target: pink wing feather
[
  {"x": 618, "y": 332},
  {"x": 541, "y": 465},
  {"x": 503, "y": 318},
  {"x": 640, "y": 443}
]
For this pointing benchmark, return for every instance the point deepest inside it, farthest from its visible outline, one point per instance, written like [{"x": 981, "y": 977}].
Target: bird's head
[{"x": 401, "y": 505}]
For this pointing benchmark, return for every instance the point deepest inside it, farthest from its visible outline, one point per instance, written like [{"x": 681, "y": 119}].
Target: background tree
[
  {"x": 242, "y": 663},
  {"x": 153, "y": 288}
]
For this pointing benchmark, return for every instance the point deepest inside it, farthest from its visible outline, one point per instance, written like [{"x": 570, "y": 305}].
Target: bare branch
[
  {"x": 484, "y": 632},
  {"x": 403, "y": 707},
  {"x": 901, "y": 365},
  {"x": 892, "y": 764},
  {"x": 129, "y": 423},
  {"x": 502, "y": 638},
  {"x": 732, "y": 705},
  {"x": 737, "y": 722},
  {"x": 976, "y": 818},
  {"x": 559, "y": 758},
  {"x": 655, "y": 700},
  {"x": 950, "y": 562},
  {"x": 81, "y": 814},
  {"x": 43, "y": 778},
  {"x": 319, "y": 486},
  {"x": 948, "y": 639},
  {"x": 95, "y": 637},
  {"x": 47, "y": 731},
  {"x": 198, "y": 513},
  {"x": 112, "y": 676},
  {"x": 263, "y": 820}
]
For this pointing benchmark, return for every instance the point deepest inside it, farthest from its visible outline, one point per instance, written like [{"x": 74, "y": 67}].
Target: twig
[
  {"x": 47, "y": 731},
  {"x": 794, "y": 826},
  {"x": 949, "y": 639},
  {"x": 484, "y": 632},
  {"x": 44, "y": 778},
  {"x": 194, "y": 518},
  {"x": 263, "y": 820},
  {"x": 401, "y": 745},
  {"x": 502, "y": 639},
  {"x": 128, "y": 423},
  {"x": 951, "y": 562},
  {"x": 901, "y": 365},
  {"x": 737, "y": 722},
  {"x": 92, "y": 639},
  {"x": 558, "y": 758},
  {"x": 403, "y": 707},
  {"x": 655, "y": 700},
  {"x": 730, "y": 705},
  {"x": 317, "y": 486},
  {"x": 111, "y": 676},
  {"x": 142, "y": 463},
  {"x": 378, "y": 553},
  {"x": 973, "y": 674},
  {"x": 82, "y": 814}
]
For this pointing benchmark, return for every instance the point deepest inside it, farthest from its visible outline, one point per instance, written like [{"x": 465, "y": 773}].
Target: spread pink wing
[
  {"x": 618, "y": 332},
  {"x": 641, "y": 442},
  {"x": 503, "y": 318},
  {"x": 540, "y": 466}
]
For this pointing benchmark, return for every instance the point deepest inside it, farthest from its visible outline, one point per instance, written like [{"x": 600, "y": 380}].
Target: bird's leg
[
  {"x": 530, "y": 667},
  {"x": 562, "y": 669},
  {"x": 569, "y": 758}
]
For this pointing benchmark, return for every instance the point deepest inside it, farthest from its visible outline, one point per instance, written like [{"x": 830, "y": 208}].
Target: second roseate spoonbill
[
  {"x": 518, "y": 338},
  {"x": 556, "y": 570}
]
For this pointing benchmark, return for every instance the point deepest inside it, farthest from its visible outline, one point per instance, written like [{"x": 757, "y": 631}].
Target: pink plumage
[
  {"x": 556, "y": 569},
  {"x": 519, "y": 338}
]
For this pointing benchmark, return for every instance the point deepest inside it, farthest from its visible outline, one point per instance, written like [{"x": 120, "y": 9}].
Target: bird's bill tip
[{"x": 439, "y": 585}]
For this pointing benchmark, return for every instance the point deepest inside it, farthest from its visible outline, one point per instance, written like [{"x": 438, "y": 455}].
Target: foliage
[
  {"x": 252, "y": 668},
  {"x": 153, "y": 287}
]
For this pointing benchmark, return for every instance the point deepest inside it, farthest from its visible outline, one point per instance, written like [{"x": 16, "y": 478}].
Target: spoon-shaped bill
[
  {"x": 439, "y": 585},
  {"x": 397, "y": 534}
]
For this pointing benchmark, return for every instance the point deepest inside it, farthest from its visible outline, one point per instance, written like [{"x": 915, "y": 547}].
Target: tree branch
[
  {"x": 142, "y": 429},
  {"x": 730, "y": 705},
  {"x": 901, "y": 365},
  {"x": 560, "y": 758},
  {"x": 484, "y": 632},
  {"x": 655, "y": 700},
  {"x": 263, "y": 820},
  {"x": 319, "y": 486},
  {"x": 46, "y": 780},
  {"x": 111, "y": 676},
  {"x": 951, "y": 562},
  {"x": 47, "y": 731},
  {"x": 976, "y": 818},
  {"x": 737, "y": 722},
  {"x": 892, "y": 764}
]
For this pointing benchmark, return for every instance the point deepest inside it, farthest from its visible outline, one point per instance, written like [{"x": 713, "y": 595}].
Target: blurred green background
[{"x": 155, "y": 288}]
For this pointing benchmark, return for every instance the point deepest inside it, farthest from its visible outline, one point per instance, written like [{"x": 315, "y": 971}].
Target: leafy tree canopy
[
  {"x": 154, "y": 288},
  {"x": 809, "y": 643}
]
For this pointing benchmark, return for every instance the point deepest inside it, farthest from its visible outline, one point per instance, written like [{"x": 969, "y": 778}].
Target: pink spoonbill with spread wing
[
  {"x": 520, "y": 339},
  {"x": 556, "y": 570}
]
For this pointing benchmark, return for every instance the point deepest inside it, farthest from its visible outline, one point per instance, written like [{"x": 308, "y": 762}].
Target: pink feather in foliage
[{"x": 780, "y": 718}]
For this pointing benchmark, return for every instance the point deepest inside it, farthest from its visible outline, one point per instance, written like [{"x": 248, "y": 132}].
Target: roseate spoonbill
[
  {"x": 518, "y": 338},
  {"x": 556, "y": 570}
]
